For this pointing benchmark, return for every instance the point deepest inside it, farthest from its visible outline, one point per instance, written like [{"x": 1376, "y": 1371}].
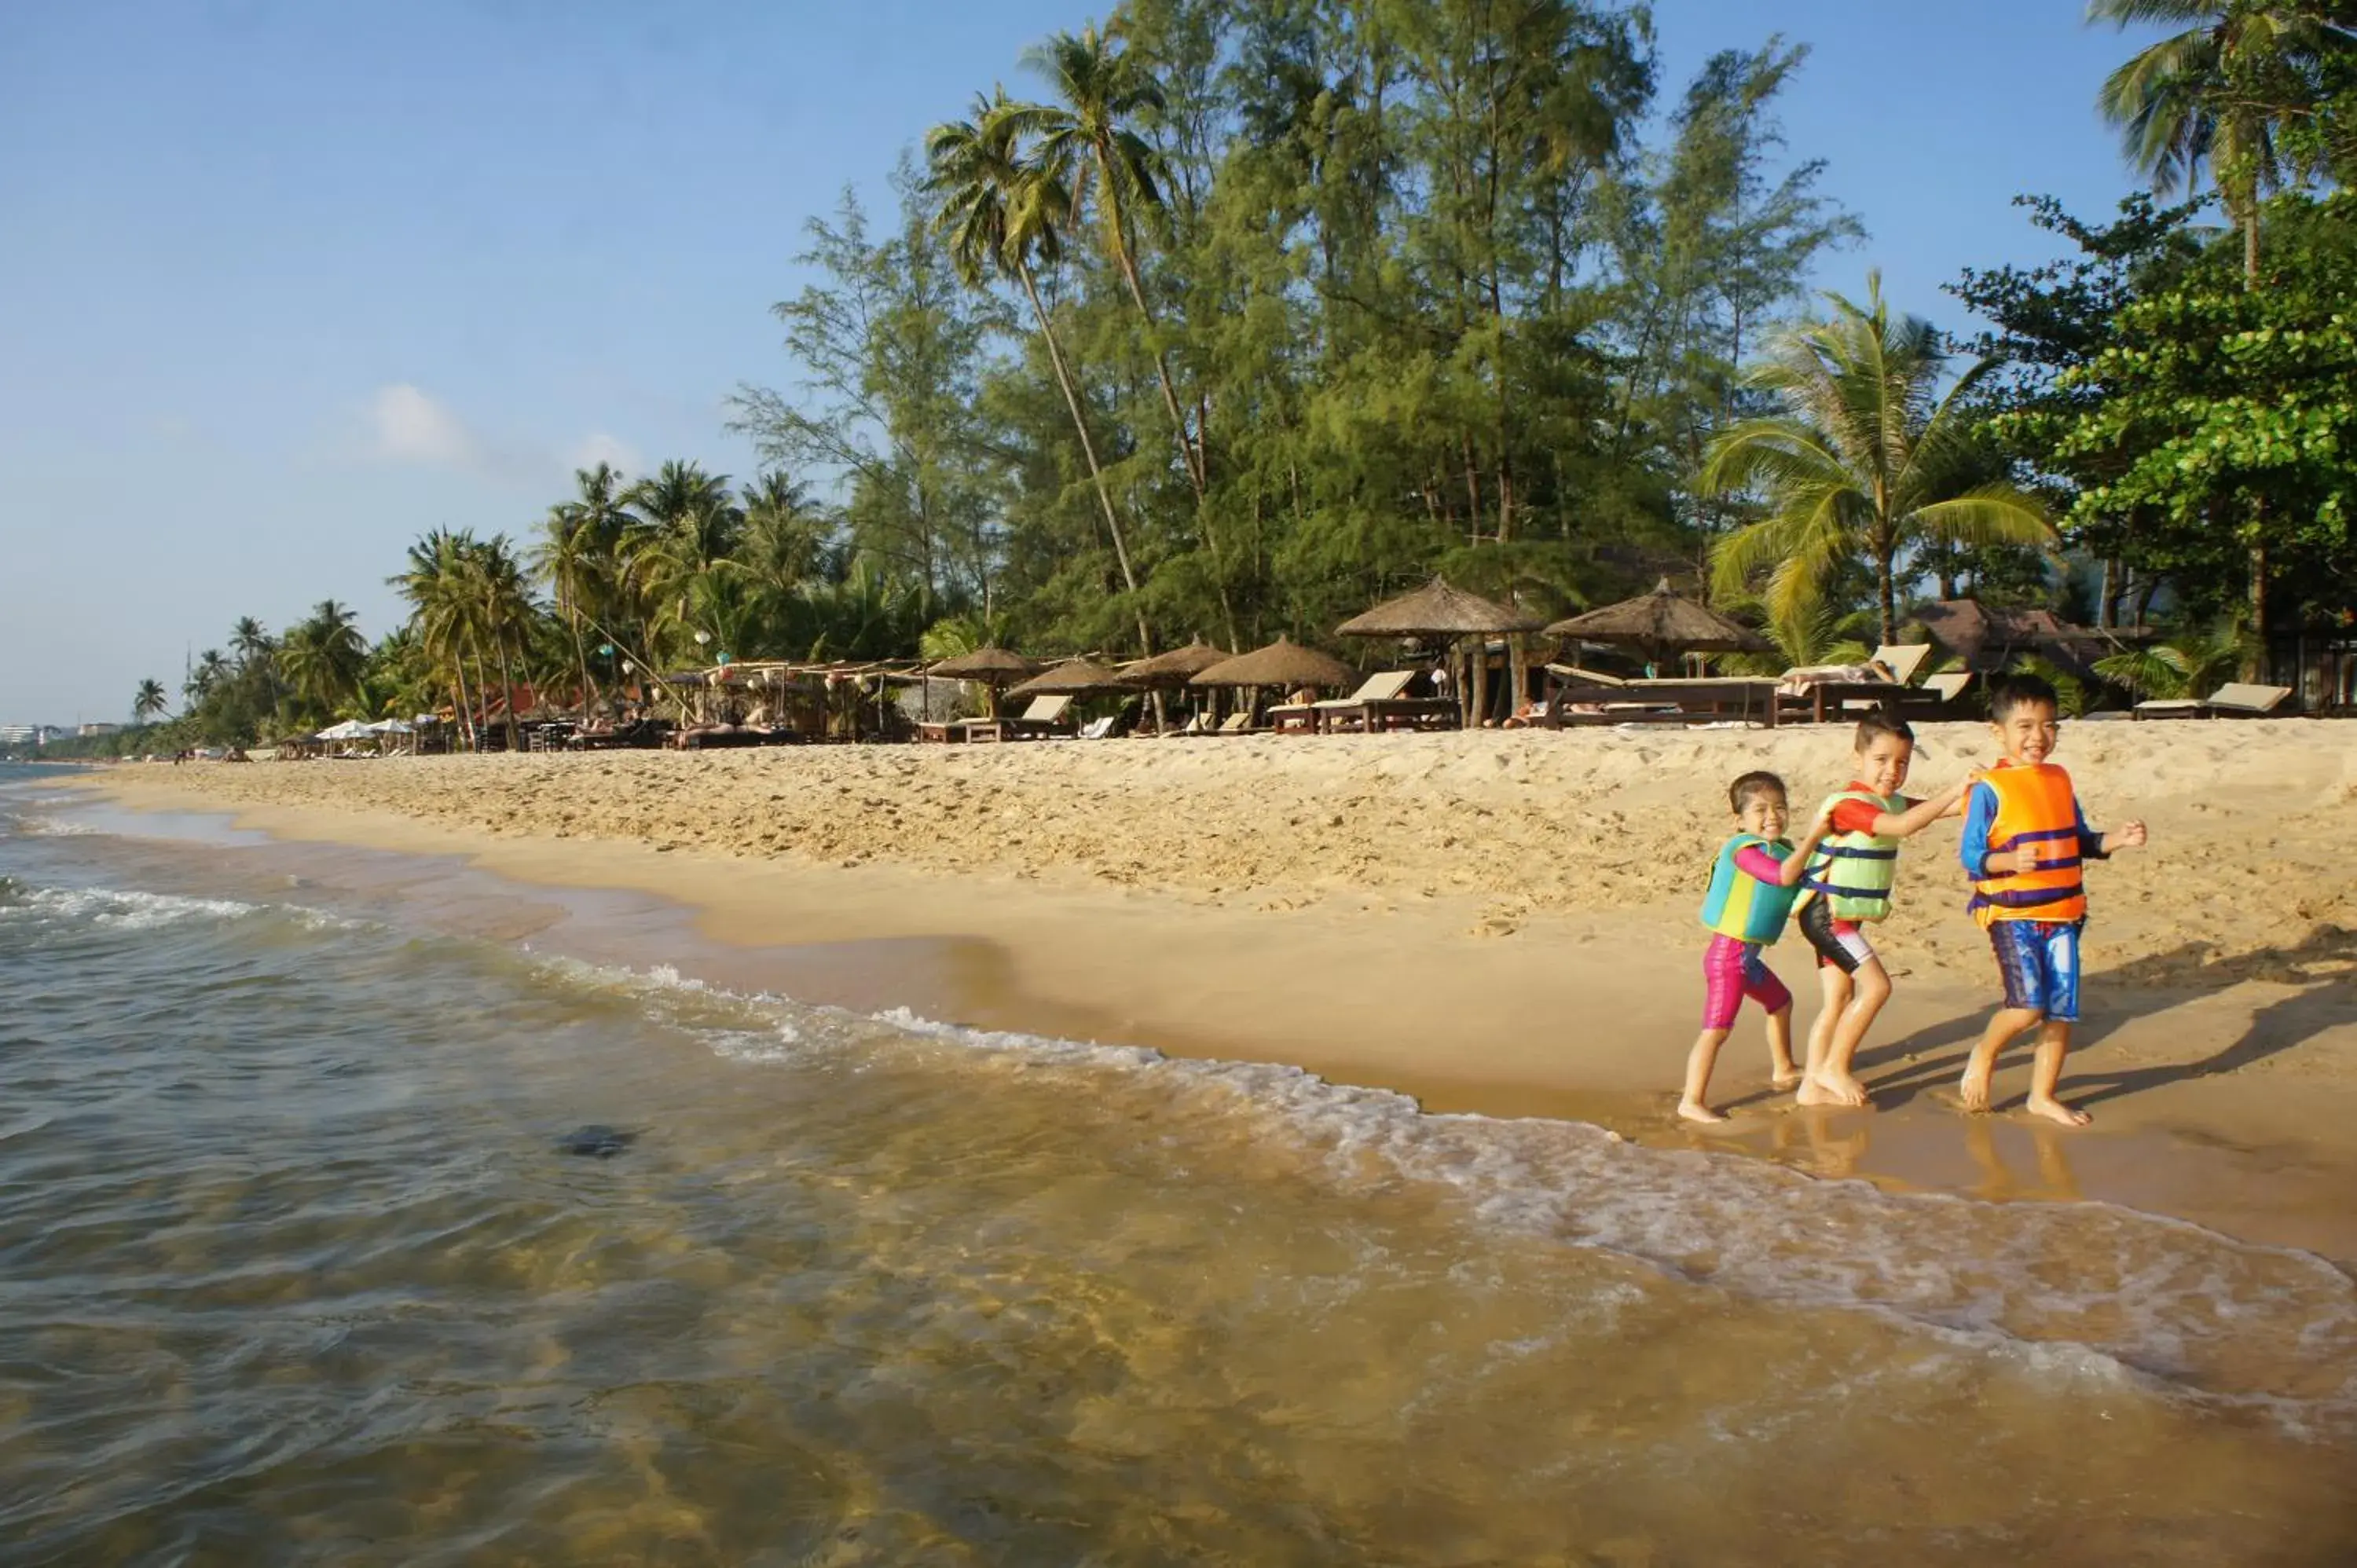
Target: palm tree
[
  {"x": 1089, "y": 145},
  {"x": 323, "y": 657},
  {"x": 1000, "y": 215},
  {"x": 497, "y": 604},
  {"x": 211, "y": 670},
  {"x": 257, "y": 656},
  {"x": 1867, "y": 460},
  {"x": 687, "y": 536},
  {"x": 148, "y": 703},
  {"x": 2218, "y": 94},
  {"x": 434, "y": 585}
]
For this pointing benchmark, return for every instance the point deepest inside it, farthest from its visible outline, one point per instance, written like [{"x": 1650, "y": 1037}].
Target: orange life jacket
[{"x": 2036, "y": 810}]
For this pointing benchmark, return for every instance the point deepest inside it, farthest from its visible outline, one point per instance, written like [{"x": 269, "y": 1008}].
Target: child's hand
[{"x": 2131, "y": 835}]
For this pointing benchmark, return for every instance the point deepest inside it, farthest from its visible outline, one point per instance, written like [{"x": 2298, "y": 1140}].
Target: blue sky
[{"x": 284, "y": 285}]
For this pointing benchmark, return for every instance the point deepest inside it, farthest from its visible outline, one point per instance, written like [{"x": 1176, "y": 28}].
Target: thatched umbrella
[
  {"x": 1175, "y": 668},
  {"x": 1281, "y": 663},
  {"x": 1073, "y": 678},
  {"x": 1436, "y": 610},
  {"x": 1663, "y": 622},
  {"x": 993, "y": 668}
]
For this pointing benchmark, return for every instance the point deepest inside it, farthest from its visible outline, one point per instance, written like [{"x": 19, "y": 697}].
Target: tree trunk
[
  {"x": 507, "y": 693},
  {"x": 2251, "y": 247},
  {"x": 2255, "y": 666},
  {"x": 1191, "y": 454},
  {"x": 1887, "y": 583},
  {"x": 1089, "y": 452}
]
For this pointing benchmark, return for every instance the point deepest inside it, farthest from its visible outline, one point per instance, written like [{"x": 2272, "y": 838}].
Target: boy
[
  {"x": 1848, "y": 886},
  {"x": 1752, "y": 886},
  {"x": 2024, "y": 840}
]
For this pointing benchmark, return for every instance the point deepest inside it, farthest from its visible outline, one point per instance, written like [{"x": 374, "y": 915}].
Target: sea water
[{"x": 331, "y": 1237}]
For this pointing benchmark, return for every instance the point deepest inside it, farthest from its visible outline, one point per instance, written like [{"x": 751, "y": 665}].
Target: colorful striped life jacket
[
  {"x": 1853, "y": 871},
  {"x": 1743, "y": 907},
  {"x": 2035, "y": 806}
]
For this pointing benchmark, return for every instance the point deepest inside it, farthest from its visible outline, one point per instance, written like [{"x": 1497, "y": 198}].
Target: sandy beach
[{"x": 1494, "y": 923}]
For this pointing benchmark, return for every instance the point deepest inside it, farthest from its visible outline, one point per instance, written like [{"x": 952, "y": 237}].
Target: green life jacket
[
  {"x": 1853, "y": 871},
  {"x": 1743, "y": 907}
]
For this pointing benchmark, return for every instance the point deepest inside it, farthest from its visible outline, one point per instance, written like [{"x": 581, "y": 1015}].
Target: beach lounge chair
[
  {"x": 1671, "y": 700},
  {"x": 1045, "y": 716},
  {"x": 1100, "y": 729},
  {"x": 2234, "y": 700},
  {"x": 1903, "y": 660},
  {"x": 1350, "y": 711},
  {"x": 1234, "y": 723}
]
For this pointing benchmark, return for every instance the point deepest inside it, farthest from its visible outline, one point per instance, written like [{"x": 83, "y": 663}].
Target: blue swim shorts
[{"x": 2039, "y": 961}]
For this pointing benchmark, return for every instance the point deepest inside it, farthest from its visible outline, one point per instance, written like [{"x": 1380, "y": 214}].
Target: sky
[{"x": 283, "y": 284}]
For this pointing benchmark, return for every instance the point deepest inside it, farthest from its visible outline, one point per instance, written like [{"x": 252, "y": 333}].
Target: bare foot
[
  {"x": 1784, "y": 1079},
  {"x": 1833, "y": 1089},
  {"x": 1696, "y": 1110},
  {"x": 1972, "y": 1093},
  {"x": 2055, "y": 1111}
]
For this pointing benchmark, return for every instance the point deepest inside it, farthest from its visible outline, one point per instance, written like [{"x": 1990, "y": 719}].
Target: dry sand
[{"x": 1501, "y": 922}]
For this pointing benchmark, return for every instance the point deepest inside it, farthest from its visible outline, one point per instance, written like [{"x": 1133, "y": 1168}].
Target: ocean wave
[
  {"x": 132, "y": 909},
  {"x": 2152, "y": 1301}
]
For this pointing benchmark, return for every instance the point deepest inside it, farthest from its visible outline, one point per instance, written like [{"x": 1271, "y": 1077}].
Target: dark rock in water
[{"x": 596, "y": 1142}]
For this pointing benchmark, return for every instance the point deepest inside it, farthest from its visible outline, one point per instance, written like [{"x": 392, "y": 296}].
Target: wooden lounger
[{"x": 2234, "y": 700}]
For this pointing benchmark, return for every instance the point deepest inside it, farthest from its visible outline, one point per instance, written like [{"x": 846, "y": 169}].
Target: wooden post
[{"x": 1481, "y": 682}]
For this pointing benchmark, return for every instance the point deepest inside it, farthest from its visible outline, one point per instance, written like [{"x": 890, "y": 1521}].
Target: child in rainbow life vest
[
  {"x": 1847, "y": 886},
  {"x": 2025, "y": 839},
  {"x": 1752, "y": 886}
]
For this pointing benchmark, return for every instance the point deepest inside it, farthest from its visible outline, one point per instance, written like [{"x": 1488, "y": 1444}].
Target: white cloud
[
  {"x": 600, "y": 448},
  {"x": 409, "y": 426},
  {"x": 406, "y": 425}
]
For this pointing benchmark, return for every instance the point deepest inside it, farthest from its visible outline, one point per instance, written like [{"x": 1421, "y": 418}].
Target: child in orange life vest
[
  {"x": 1752, "y": 886},
  {"x": 2025, "y": 839},
  {"x": 1848, "y": 886}
]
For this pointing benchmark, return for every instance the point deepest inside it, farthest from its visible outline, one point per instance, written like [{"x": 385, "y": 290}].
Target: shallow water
[{"x": 296, "y": 1269}]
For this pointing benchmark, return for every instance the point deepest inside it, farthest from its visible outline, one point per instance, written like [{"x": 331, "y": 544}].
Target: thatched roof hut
[
  {"x": 1175, "y": 668},
  {"x": 1989, "y": 637},
  {"x": 1436, "y": 610},
  {"x": 1074, "y": 678},
  {"x": 991, "y": 666},
  {"x": 1662, "y": 621},
  {"x": 1282, "y": 663}
]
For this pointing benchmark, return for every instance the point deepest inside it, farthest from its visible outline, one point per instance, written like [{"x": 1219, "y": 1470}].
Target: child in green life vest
[
  {"x": 1847, "y": 887},
  {"x": 1752, "y": 886}
]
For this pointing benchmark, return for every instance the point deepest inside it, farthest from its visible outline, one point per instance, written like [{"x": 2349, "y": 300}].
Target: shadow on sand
[{"x": 2324, "y": 967}]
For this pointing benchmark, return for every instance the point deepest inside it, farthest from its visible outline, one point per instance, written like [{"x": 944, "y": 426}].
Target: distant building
[
  {"x": 91, "y": 729},
  {"x": 21, "y": 734}
]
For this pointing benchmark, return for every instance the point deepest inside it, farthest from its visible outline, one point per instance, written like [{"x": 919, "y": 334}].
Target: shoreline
[{"x": 2224, "y": 1104}]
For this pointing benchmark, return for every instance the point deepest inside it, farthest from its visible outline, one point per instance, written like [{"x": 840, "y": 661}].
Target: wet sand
[{"x": 1470, "y": 920}]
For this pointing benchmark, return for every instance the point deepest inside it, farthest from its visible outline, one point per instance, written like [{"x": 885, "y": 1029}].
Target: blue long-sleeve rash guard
[{"x": 1980, "y": 815}]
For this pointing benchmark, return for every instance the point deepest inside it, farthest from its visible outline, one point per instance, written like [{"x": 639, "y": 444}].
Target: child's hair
[
  {"x": 1877, "y": 725},
  {"x": 1739, "y": 794},
  {"x": 2019, "y": 692}
]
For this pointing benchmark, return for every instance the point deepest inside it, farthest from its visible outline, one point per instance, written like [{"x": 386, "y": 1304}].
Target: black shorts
[{"x": 1840, "y": 944}]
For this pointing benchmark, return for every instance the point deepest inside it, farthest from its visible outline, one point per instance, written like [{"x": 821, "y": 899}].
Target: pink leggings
[{"x": 1731, "y": 970}]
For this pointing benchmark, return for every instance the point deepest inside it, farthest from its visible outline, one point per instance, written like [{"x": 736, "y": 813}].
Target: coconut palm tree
[
  {"x": 324, "y": 656},
  {"x": 257, "y": 658},
  {"x": 497, "y": 604},
  {"x": 434, "y": 584},
  {"x": 689, "y": 525},
  {"x": 1868, "y": 459},
  {"x": 148, "y": 703},
  {"x": 1087, "y": 145},
  {"x": 2218, "y": 95},
  {"x": 999, "y": 214}
]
